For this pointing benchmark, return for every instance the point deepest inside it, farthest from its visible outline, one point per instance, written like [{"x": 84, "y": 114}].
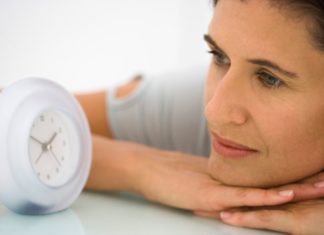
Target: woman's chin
[{"x": 243, "y": 175}]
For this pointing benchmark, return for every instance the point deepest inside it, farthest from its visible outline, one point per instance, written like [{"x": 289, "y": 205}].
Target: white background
[{"x": 90, "y": 44}]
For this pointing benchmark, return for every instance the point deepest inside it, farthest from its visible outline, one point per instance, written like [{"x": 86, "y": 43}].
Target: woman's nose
[{"x": 228, "y": 102}]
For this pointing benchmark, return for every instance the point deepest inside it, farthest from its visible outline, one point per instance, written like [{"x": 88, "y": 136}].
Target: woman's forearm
[
  {"x": 117, "y": 165},
  {"x": 176, "y": 179}
]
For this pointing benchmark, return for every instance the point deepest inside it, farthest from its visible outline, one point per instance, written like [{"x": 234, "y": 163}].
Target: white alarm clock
[{"x": 45, "y": 147}]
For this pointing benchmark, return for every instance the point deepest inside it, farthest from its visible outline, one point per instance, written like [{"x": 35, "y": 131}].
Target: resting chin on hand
[{"x": 302, "y": 216}]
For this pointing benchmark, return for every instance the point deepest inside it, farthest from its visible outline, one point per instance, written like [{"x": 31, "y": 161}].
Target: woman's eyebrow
[
  {"x": 262, "y": 62},
  {"x": 210, "y": 41},
  {"x": 273, "y": 66}
]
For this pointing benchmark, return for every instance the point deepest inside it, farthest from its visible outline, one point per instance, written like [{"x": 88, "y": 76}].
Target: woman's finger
[
  {"x": 278, "y": 220},
  {"x": 224, "y": 197},
  {"x": 305, "y": 191}
]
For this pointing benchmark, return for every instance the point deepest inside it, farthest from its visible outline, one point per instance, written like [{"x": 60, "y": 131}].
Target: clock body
[{"x": 45, "y": 147}]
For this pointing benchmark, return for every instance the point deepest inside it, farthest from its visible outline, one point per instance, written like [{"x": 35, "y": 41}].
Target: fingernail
[
  {"x": 225, "y": 215},
  {"x": 286, "y": 193},
  {"x": 319, "y": 184}
]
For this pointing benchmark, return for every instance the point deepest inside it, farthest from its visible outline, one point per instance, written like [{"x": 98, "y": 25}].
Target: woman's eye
[
  {"x": 269, "y": 81},
  {"x": 219, "y": 58}
]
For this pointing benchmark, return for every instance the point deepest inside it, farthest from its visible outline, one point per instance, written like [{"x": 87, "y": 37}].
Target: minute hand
[{"x": 52, "y": 138}]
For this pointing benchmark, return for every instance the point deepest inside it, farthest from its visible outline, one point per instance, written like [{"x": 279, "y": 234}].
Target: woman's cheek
[{"x": 293, "y": 148}]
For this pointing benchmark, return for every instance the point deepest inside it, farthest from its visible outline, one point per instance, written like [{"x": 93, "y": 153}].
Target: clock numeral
[
  {"x": 48, "y": 177},
  {"x": 62, "y": 158},
  {"x": 42, "y": 118},
  {"x": 57, "y": 170}
]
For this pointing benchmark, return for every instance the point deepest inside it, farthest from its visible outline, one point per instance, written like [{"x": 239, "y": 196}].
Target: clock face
[{"x": 51, "y": 151}]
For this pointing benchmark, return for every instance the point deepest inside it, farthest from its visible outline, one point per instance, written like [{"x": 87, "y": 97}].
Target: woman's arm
[{"x": 170, "y": 178}]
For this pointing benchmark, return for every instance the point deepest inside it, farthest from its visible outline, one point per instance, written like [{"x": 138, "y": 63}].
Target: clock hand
[
  {"x": 55, "y": 156},
  {"x": 52, "y": 138},
  {"x": 39, "y": 157},
  {"x": 44, "y": 149},
  {"x": 38, "y": 141}
]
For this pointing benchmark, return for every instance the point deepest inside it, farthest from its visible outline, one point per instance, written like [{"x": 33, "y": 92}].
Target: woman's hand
[
  {"x": 301, "y": 218},
  {"x": 181, "y": 180}
]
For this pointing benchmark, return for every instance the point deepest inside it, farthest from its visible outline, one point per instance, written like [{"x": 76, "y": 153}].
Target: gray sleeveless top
[{"x": 164, "y": 111}]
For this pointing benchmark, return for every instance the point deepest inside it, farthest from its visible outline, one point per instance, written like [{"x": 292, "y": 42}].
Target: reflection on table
[{"x": 124, "y": 214}]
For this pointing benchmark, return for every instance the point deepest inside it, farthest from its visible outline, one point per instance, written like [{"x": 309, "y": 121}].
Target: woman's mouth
[{"x": 229, "y": 149}]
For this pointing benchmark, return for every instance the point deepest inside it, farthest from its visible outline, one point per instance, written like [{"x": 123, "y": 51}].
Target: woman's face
[{"x": 264, "y": 96}]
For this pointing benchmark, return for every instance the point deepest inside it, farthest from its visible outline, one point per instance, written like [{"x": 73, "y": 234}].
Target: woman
[{"x": 265, "y": 118}]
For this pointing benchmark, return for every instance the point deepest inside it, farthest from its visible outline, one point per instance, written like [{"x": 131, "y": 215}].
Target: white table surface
[{"x": 118, "y": 214}]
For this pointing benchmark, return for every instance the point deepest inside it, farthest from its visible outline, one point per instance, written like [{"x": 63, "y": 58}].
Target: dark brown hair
[{"x": 312, "y": 9}]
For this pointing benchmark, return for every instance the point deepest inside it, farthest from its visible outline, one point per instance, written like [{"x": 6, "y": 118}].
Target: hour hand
[{"x": 38, "y": 141}]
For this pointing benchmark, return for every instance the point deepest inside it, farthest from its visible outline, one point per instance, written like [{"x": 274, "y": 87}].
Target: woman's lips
[{"x": 230, "y": 149}]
